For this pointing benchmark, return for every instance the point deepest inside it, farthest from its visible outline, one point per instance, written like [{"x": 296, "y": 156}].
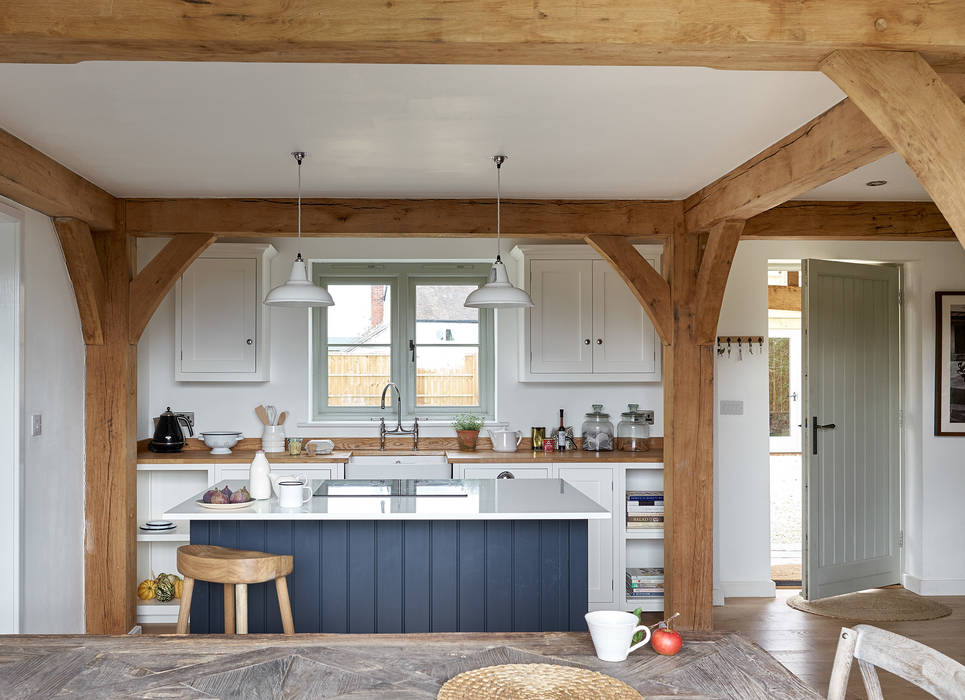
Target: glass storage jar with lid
[
  {"x": 597, "y": 431},
  {"x": 633, "y": 430}
]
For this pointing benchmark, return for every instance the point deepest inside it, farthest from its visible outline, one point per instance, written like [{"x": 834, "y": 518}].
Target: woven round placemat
[
  {"x": 535, "y": 682},
  {"x": 875, "y": 605}
]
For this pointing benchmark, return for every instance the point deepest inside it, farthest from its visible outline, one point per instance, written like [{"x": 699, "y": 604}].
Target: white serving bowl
[{"x": 220, "y": 441}]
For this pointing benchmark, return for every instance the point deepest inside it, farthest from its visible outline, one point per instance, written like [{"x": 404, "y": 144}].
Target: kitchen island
[{"x": 399, "y": 556}]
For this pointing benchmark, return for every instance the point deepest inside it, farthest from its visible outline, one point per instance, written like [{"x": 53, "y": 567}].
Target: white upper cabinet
[
  {"x": 586, "y": 324},
  {"x": 221, "y": 326}
]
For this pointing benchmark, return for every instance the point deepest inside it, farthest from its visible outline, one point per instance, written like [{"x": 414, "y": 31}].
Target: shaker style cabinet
[
  {"x": 221, "y": 326},
  {"x": 585, "y": 325}
]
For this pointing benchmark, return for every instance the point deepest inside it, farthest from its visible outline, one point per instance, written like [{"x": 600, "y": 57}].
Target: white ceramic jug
[
  {"x": 259, "y": 477},
  {"x": 505, "y": 440}
]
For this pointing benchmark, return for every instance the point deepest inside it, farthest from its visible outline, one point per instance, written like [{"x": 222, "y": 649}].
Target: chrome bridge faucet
[{"x": 398, "y": 429}]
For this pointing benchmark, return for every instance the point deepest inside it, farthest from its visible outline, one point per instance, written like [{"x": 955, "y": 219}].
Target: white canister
[
  {"x": 259, "y": 477},
  {"x": 273, "y": 438}
]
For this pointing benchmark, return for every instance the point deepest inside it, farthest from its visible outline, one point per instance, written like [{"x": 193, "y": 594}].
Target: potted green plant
[{"x": 467, "y": 427}]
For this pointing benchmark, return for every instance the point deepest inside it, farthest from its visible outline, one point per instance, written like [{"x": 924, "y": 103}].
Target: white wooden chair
[{"x": 930, "y": 670}]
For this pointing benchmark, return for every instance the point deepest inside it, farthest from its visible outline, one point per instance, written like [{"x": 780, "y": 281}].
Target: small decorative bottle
[{"x": 259, "y": 482}]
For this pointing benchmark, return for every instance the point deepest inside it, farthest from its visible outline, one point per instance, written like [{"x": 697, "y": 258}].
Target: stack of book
[
  {"x": 645, "y": 583},
  {"x": 645, "y": 510}
]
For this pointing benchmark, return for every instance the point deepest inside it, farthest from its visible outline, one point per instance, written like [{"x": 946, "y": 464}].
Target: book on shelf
[
  {"x": 644, "y": 526},
  {"x": 644, "y": 495},
  {"x": 645, "y": 572},
  {"x": 644, "y": 595},
  {"x": 645, "y": 517},
  {"x": 644, "y": 509}
]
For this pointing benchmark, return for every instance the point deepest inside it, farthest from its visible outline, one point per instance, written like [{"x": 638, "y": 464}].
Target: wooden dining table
[{"x": 710, "y": 665}]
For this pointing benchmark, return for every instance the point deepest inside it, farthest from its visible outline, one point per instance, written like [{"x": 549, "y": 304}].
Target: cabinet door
[
  {"x": 561, "y": 321},
  {"x": 624, "y": 339},
  {"x": 597, "y": 483},
  {"x": 504, "y": 471},
  {"x": 218, "y": 315}
]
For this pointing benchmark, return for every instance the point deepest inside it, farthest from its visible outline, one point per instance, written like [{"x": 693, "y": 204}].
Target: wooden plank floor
[{"x": 805, "y": 643}]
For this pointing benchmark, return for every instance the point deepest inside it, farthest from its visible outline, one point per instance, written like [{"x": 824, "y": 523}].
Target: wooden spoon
[
  {"x": 262, "y": 414},
  {"x": 282, "y": 417}
]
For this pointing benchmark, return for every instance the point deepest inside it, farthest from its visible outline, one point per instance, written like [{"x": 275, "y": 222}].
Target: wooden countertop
[
  {"x": 531, "y": 457},
  {"x": 244, "y": 456},
  {"x": 237, "y": 456}
]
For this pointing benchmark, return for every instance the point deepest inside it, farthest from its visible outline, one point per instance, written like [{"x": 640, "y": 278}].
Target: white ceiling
[{"x": 222, "y": 129}]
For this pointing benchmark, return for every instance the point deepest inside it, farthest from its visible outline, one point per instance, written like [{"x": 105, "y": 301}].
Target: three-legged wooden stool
[{"x": 235, "y": 568}]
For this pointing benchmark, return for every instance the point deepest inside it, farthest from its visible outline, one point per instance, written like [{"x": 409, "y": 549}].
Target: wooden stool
[{"x": 235, "y": 568}]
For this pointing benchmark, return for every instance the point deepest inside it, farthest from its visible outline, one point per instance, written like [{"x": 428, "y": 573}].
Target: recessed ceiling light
[{"x": 876, "y": 183}]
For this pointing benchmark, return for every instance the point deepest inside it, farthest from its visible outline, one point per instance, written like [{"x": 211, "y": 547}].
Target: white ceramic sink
[{"x": 398, "y": 467}]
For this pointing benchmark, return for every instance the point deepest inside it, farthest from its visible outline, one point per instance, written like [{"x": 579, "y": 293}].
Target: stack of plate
[{"x": 157, "y": 526}]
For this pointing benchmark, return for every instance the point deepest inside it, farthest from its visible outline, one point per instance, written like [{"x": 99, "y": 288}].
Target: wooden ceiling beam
[
  {"x": 832, "y": 144},
  {"x": 647, "y": 285},
  {"x": 157, "y": 278},
  {"x": 733, "y": 34},
  {"x": 86, "y": 276},
  {"x": 418, "y": 218},
  {"x": 37, "y": 181},
  {"x": 850, "y": 221},
  {"x": 918, "y": 112}
]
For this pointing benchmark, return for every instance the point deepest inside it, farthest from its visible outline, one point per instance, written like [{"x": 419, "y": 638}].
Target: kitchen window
[{"x": 403, "y": 323}]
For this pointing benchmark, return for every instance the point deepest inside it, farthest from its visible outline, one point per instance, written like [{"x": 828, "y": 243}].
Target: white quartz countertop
[{"x": 409, "y": 499}]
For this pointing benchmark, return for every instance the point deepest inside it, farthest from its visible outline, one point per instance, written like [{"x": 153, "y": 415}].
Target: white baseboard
[
  {"x": 933, "y": 586},
  {"x": 748, "y": 589},
  {"x": 718, "y": 597}
]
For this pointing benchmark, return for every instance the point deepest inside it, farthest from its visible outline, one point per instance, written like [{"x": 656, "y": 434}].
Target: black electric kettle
[{"x": 168, "y": 436}]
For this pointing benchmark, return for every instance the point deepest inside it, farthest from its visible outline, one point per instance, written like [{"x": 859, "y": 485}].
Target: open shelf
[
  {"x": 645, "y": 534},
  {"x": 181, "y": 533},
  {"x": 646, "y": 604}
]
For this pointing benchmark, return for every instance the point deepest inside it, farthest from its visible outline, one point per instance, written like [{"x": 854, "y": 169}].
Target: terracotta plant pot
[{"x": 467, "y": 439}]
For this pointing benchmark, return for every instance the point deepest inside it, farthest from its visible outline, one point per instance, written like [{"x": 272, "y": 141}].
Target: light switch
[
  {"x": 731, "y": 408},
  {"x": 36, "y": 424}
]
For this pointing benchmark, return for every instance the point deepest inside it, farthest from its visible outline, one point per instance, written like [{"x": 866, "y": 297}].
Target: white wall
[
  {"x": 934, "y": 480},
  {"x": 230, "y": 406},
  {"x": 53, "y": 463}
]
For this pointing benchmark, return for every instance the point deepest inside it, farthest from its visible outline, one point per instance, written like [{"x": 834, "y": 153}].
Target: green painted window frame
[{"x": 402, "y": 279}]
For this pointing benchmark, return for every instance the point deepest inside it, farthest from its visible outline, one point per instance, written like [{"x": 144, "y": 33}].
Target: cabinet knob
[
  {"x": 599, "y": 341},
  {"x": 249, "y": 341},
  {"x": 505, "y": 475},
  {"x": 586, "y": 341}
]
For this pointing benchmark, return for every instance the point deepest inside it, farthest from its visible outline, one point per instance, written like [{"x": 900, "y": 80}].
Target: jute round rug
[{"x": 875, "y": 605}]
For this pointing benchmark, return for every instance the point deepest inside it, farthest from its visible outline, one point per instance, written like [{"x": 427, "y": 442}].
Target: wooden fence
[{"x": 358, "y": 380}]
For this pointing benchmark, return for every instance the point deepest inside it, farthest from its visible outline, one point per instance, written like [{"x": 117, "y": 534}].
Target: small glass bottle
[
  {"x": 597, "y": 431},
  {"x": 633, "y": 431}
]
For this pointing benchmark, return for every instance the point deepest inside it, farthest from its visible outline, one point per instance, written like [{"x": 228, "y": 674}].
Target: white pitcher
[
  {"x": 505, "y": 440},
  {"x": 259, "y": 477}
]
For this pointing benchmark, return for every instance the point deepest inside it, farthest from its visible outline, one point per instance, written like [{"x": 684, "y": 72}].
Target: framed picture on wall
[{"x": 949, "y": 363}]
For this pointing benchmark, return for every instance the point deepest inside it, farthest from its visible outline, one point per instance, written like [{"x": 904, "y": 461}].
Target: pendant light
[
  {"x": 298, "y": 291},
  {"x": 498, "y": 292}
]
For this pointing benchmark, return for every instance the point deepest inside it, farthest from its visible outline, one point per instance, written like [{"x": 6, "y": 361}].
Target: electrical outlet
[{"x": 36, "y": 424}]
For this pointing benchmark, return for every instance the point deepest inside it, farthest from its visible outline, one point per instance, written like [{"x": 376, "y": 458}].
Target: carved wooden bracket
[
  {"x": 712, "y": 276},
  {"x": 86, "y": 275},
  {"x": 158, "y": 277},
  {"x": 650, "y": 289}
]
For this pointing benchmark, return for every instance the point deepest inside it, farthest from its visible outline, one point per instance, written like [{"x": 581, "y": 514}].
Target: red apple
[{"x": 666, "y": 641}]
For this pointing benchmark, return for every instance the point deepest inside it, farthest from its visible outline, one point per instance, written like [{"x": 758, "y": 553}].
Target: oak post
[{"x": 110, "y": 540}]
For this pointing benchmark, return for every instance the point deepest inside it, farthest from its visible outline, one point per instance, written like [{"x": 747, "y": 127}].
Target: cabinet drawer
[
  {"x": 493, "y": 471},
  {"x": 314, "y": 472}
]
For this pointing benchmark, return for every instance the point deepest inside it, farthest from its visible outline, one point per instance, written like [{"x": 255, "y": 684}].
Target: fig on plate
[
  {"x": 218, "y": 497},
  {"x": 208, "y": 494},
  {"x": 240, "y": 496},
  {"x": 226, "y": 491}
]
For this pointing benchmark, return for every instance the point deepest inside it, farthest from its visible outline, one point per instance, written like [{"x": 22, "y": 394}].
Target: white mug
[
  {"x": 290, "y": 494},
  {"x": 612, "y": 631}
]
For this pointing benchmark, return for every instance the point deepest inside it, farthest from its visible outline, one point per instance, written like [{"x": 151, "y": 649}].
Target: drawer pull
[{"x": 505, "y": 475}]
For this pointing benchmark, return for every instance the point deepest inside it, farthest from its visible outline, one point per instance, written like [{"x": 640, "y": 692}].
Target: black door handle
[{"x": 815, "y": 427}]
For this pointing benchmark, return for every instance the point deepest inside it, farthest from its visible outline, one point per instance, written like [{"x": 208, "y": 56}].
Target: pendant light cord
[
  {"x": 299, "y": 156},
  {"x": 499, "y": 164}
]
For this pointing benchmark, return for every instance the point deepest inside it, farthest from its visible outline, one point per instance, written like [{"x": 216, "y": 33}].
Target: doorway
[
  {"x": 784, "y": 407},
  {"x": 11, "y": 396}
]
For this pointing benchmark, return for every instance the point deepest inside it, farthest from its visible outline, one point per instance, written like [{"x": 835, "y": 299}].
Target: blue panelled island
[{"x": 393, "y": 556}]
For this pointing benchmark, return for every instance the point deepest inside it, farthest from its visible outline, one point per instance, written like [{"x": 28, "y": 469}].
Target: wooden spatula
[
  {"x": 262, "y": 414},
  {"x": 281, "y": 418}
]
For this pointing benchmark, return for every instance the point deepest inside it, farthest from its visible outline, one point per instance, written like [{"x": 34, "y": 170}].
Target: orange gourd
[{"x": 145, "y": 591}]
